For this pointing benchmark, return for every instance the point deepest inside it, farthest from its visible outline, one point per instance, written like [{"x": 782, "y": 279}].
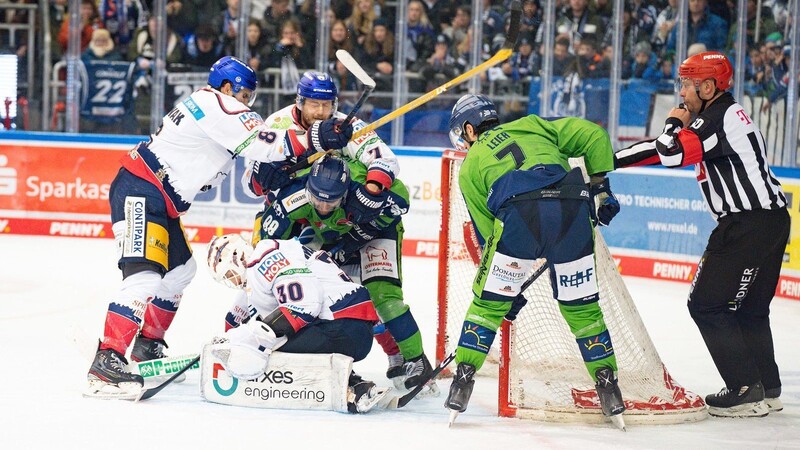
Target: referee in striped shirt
[{"x": 738, "y": 272}]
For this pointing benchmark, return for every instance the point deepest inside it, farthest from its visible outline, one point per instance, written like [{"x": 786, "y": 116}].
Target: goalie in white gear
[
  {"x": 299, "y": 301},
  {"x": 194, "y": 149}
]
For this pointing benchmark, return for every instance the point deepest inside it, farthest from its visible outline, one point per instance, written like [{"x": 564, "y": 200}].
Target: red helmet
[{"x": 703, "y": 66}]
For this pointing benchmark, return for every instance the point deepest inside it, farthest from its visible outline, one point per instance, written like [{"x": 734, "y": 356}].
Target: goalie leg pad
[{"x": 290, "y": 381}]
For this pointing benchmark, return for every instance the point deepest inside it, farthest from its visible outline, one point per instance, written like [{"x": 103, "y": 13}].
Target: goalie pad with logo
[{"x": 290, "y": 381}]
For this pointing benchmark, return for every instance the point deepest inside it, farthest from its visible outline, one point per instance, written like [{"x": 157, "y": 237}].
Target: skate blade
[
  {"x": 618, "y": 421},
  {"x": 452, "y": 419},
  {"x": 431, "y": 390},
  {"x": 367, "y": 404},
  {"x": 774, "y": 404},
  {"x": 754, "y": 409},
  {"x": 103, "y": 390}
]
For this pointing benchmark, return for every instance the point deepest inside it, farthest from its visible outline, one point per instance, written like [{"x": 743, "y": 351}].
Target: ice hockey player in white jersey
[
  {"x": 296, "y": 128},
  {"x": 299, "y": 301},
  {"x": 193, "y": 150}
]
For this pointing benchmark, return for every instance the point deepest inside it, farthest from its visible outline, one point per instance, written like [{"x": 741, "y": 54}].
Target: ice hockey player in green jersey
[
  {"x": 316, "y": 206},
  {"x": 526, "y": 203}
]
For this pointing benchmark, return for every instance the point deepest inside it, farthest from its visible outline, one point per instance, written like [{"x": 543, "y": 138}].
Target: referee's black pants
[{"x": 731, "y": 293}]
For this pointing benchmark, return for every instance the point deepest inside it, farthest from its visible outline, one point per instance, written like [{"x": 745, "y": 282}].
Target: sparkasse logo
[{"x": 8, "y": 177}]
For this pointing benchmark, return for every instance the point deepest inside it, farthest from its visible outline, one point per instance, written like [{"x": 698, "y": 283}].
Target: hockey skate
[
  {"x": 745, "y": 401},
  {"x": 396, "y": 369},
  {"x": 416, "y": 371},
  {"x": 610, "y": 396},
  {"x": 146, "y": 349},
  {"x": 772, "y": 399},
  {"x": 460, "y": 391},
  {"x": 363, "y": 395},
  {"x": 109, "y": 379}
]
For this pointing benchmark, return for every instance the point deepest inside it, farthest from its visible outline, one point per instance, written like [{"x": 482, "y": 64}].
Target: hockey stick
[
  {"x": 501, "y": 55},
  {"x": 353, "y": 67},
  {"x": 403, "y": 401},
  {"x": 148, "y": 393}
]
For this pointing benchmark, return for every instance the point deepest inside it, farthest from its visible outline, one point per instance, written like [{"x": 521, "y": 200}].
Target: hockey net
[{"x": 541, "y": 374}]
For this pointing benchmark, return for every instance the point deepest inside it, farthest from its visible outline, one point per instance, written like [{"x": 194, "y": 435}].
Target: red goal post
[{"x": 541, "y": 374}]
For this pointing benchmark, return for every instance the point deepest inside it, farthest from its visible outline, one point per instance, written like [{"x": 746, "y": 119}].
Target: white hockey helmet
[{"x": 227, "y": 259}]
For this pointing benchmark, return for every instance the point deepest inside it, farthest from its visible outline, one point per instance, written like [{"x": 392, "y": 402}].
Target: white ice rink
[{"x": 49, "y": 286}]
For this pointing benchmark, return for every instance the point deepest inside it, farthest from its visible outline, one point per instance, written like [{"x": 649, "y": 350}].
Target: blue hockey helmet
[
  {"x": 327, "y": 184},
  {"x": 317, "y": 86},
  {"x": 470, "y": 109},
  {"x": 236, "y": 72}
]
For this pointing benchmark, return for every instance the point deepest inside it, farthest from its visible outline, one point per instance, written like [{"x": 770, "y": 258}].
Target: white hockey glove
[{"x": 249, "y": 346}]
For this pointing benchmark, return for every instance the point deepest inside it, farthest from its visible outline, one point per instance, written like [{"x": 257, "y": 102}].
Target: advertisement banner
[
  {"x": 57, "y": 184},
  {"x": 56, "y": 178},
  {"x": 661, "y": 210}
]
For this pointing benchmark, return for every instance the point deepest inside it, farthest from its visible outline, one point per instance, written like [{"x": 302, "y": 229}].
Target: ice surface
[{"x": 49, "y": 287}]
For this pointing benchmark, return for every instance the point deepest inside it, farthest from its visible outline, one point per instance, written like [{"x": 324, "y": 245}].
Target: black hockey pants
[{"x": 730, "y": 296}]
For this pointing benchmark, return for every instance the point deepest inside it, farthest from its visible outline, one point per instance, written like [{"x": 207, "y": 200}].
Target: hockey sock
[
  {"x": 158, "y": 317},
  {"x": 386, "y": 341},
  {"x": 120, "y": 328},
  {"x": 406, "y": 333}
]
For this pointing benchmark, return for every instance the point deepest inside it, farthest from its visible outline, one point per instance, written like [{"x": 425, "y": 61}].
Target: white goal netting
[{"x": 541, "y": 372}]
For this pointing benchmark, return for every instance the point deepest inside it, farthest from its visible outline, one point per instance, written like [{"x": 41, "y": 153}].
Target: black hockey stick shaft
[
  {"x": 533, "y": 277},
  {"x": 403, "y": 401},
  {"x": 300, "y": 165},
  {"x": 363, "y": 98},
  {"x": 148, "y": 393}
]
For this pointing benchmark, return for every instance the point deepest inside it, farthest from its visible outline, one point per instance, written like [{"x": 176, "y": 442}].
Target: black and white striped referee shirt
[{"x": 729, "y": 155}]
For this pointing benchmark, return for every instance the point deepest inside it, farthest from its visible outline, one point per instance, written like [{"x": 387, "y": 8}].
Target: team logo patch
[
  {"x": 596, "y": 347},
  {"x": 250, "y": 120},
  {"x": 476, "y": 337},
  {"x": 271, "y": 265}
]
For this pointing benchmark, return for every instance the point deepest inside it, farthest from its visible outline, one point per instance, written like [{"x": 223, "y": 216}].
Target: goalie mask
[
  {"x": 227, "y": 260},
  {"x": 327, "y": 184},
  {"x": 470, "y": 109}
]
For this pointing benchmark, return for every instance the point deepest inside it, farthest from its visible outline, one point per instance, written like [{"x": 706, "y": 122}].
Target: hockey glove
[
  {"x": 351, "y": 243},
  {"x": 363, "y": 206},
  {"x": 516, "y": 306},
  {"x": 308, "y": 237},
  {"x": 269, "y": 176},
  {"x": 604, "y": 200},
  {"x": 330, "y": 134},
  {"x": 250, "y": 345}
]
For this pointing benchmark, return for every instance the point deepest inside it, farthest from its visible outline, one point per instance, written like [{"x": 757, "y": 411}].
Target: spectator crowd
[{"x": 282, "y": 34}]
